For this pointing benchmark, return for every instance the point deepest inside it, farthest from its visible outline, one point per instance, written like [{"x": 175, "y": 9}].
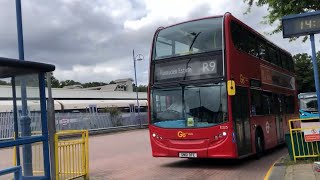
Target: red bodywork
[{"x": 169, "y": 142}]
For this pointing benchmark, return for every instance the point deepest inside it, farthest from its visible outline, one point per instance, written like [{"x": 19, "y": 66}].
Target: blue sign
[
  {"x": 305, "y": 24},
  {"x": 301, "y": 24}
]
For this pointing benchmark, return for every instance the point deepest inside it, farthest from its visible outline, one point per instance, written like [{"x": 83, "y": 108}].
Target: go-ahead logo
[{"x": 184, "y": 134}]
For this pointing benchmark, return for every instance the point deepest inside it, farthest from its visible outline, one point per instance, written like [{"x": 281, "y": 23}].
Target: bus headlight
[
  {"x": 156, "y": 136},
  {"x": 224, "y": 133}
]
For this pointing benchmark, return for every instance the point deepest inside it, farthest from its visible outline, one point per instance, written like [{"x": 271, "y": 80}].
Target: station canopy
[{"x": 13, "y": 67}]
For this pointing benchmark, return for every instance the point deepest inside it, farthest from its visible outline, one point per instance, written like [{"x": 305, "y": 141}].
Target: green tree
[
  {"x": 115, "y": 115},
  {"x": 93, "y": 84},
  {"x": 4, "y": 83},
  {"x": 304, "y": 72},
  {"x": 112, "y": 82},
  {"x": 279, "y": 8},
  {"x": 141, "y": 88},
  {"x": 69, "y": 83},
  {"x": 54, "y": 82}
]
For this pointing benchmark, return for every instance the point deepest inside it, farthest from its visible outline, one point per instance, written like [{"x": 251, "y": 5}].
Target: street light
[{"x": 139, "y": 57}]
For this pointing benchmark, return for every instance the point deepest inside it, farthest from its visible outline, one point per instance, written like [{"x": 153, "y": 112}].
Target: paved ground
[
  {"x": 6, "y": 160},
  {"x": 127, "y": 155},
  {"x": 300, "y": 172},
  {"x": 287, "y": 169}
]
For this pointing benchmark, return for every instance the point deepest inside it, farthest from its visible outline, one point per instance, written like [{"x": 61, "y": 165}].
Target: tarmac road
[{"x": 127, "y": 155}]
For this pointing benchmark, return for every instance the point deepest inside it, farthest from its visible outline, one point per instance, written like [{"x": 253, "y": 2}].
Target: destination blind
[{"x": 189, "y": 69}]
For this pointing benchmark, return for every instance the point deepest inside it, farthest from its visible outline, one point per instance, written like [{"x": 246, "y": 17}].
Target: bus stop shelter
[{"x": 20, "y": 75}]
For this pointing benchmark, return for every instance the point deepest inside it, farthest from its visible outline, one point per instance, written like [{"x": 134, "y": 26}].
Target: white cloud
[{"x": 93, "y": 40}]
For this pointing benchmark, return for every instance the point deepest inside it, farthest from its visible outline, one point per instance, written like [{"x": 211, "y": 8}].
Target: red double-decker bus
[{"x": 218, "y": 89}]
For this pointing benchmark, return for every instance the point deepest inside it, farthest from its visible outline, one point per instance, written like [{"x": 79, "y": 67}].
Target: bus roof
[
  {"x": 307, "y": 95},
  {"x": 227, "y": 13},
  {"x": 257, "y": 33}
]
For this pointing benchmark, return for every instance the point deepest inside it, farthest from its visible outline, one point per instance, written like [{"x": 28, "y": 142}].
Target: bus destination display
[
  {"x": 189, "y": 69},
  {"x": 294, "y": 26}
]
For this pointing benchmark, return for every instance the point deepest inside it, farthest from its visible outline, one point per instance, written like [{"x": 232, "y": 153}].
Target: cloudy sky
[{"x": 92, "y": 40}]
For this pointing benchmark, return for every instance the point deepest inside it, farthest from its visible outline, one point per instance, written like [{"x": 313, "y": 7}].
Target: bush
[{"x": 115, "y": 115}]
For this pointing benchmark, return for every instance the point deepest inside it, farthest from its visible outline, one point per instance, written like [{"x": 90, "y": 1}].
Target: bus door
[
  {"x": 279, "y": 116},
  {"x": 240, "y": 114}
]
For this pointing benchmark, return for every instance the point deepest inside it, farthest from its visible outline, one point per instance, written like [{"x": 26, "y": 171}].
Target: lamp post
[{"x": 139, "y": 57}]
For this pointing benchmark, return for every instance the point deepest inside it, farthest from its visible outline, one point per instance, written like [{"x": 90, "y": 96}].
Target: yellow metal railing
[
  {"x": 71, "y": 153},
  {"x": 301, "y": 148}
]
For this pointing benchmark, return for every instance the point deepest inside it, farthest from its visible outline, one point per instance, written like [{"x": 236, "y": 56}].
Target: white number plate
[{"x": 188, "y": 155}]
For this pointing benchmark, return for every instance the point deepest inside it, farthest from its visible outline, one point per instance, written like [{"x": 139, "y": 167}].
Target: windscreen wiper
[{"x": 194, "y": 39}]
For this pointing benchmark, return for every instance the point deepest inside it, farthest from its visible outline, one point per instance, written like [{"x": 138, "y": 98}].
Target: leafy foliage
[
  {"x": 54, "y": 82},
  {"x": 279, "y": 8},
  {"x": 115, "y": 115},
  {"x": 304, "y": 72},
  {"x": 113, "y": 110},
  {"x": 141, "y": 88},
  {"x": 93, "y": 84},
  {"x": 4, "y": 83},
  {"x": 69, "y": 83}
]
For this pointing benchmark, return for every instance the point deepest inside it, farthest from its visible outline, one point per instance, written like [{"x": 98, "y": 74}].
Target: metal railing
[
  {"x": 6, "y": 126},
  {"x": 17, "y": 171},
  {"x": 300, "y": 147},
  {"x": 72, "y": 155},
  {"x": 37, "y": 158},
  {"x": 74, "y": 121}
]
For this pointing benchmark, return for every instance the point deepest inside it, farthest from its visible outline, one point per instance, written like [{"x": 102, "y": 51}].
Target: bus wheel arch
[{"x": 259, "y": 142}]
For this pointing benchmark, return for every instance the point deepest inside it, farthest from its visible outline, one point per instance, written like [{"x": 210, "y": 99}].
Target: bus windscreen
[
  {"x": 189, "y": 38},
  {"x": 189, "y": 106}
]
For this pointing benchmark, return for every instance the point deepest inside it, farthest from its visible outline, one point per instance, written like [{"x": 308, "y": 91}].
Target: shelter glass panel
[{"x": 28, "y": 105}]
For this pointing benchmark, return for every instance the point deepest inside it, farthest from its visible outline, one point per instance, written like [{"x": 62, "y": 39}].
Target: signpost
[
  {"x": 304, "y": 24},
  {"x": 311, "y": 131}
]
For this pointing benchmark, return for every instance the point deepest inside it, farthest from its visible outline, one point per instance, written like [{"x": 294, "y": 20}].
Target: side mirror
[{"x": 231, "y": 85}]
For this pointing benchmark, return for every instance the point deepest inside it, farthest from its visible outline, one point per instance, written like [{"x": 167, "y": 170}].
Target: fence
[
  {"x": 305, "y": 138},
  {"x": 37, "y": 158},
  {"x": 17, "y": 171},
  {"x": 6, "y": 126},
  {"x": 78, "y": 121},
  {"x": 71, "y": 153},
  {"x": 74, "y": 121}
]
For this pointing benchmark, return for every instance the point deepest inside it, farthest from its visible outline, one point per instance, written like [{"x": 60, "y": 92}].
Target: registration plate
[{"x": 188, "y": 155}]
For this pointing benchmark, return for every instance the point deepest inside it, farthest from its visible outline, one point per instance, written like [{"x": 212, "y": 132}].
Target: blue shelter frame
[{"x": 11, "y": 68}]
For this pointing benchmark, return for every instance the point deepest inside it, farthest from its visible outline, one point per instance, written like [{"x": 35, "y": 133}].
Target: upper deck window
[
  {"x": 250, "y": 43},
  {"x": 189, "y": 38}
]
